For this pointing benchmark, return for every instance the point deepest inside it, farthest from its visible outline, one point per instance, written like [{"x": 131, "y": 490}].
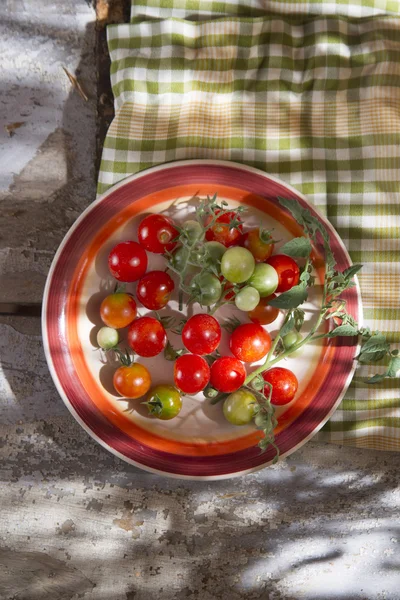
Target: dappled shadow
[{"x": 318, "y": 526}]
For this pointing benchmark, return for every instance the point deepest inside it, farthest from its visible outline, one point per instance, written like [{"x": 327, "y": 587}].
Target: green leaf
[
  {"x": 342, "y": 330},
  {"x": 376, "y": 378},
  {"x": 374, "y": 346},
  {"x": 293, "y": 207},
  {"x": 288, "y": 326},
  {"x": 371, "y": 356},
  {"x": 298, "y": 247},
  {"x": 393, "y": 367},
  {"x": 351, "y": 271},
  {"x": 292, "y": 298}
]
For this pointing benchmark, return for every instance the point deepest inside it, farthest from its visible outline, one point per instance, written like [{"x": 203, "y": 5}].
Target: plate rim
[{"x": 46, "y": 346}]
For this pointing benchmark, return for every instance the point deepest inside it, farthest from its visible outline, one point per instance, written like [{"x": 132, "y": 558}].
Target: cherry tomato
[
  {"x": 291, "y": 339},
  {"x": 107, "y": 338},
  {"x": 206, "y": 288},
  {"x": 227, "y": 374},
  {"x": 237, "y": 264},
  {"x": 264, "y": 314},
  {"x": 133, "y": 381},
  {"x": 287, "y": 269},
  {"x": 265, "y": 279},
  {"x": 118, "y": 310},
  {"x": 284, "y": 385},
  {"x": 156, "y": 233},
  {"x": 221, "y": 231},
  {"x": 193, "y": 231},
  {"x": 154, "y": 290},
  {"x": 191, "y": 373},
  {"x": 127, "y": 261},
  {"x": 164, "y": 402},
  {"x": 247, "y": 298},
  {"x": 250, "y": 342},
  {"x": 201, "y": 334},
  {"x": 258, "y": 244},
  {"x": 147, "y": 337},
  {"x": 239, "y": 407}
]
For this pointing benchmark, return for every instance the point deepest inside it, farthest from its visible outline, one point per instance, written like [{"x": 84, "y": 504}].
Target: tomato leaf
[
  {"x": 351, "y": 271},
  {"x": 288, "y": 326},
  {"x": 391, "y": 372},
  {"x": 376, "y": 378},
  {"x": 298, "y": 247},
  {"x": 394, "y": 367},
  {"x": 375, "y": 348},
  {"x": 342, "y": 330},
  {"x": 292, "y": 298}
]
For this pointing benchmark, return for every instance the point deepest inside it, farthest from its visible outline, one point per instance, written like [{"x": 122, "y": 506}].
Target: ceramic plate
[{"x": 199, "y": 443}]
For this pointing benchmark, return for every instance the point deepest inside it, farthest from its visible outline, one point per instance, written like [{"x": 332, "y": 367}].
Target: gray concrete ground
[{"x": 76, "y": 522}]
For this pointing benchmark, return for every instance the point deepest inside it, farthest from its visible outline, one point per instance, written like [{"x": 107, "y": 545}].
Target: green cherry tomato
[
  {"x": 265, "y": 279},
  {"x": 290, "y": 339},
  {"x": 206, "y": 288},
  {"x": 247, "y": 299},
  {"x": 237, "y": 264},
  {"x": 107, "y": 338},
  {"x": 193, "y": 230},
  {"x": 164, "y": 402},
  {"x": 239, "y": 407},
  {"x": 215, "y": 250},
  {"x": 179, "y": 258}
]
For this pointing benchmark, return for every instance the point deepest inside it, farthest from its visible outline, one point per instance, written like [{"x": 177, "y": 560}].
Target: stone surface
[
  {"x": 48, "y": 166},
  {"x": 76, "y": 522}
]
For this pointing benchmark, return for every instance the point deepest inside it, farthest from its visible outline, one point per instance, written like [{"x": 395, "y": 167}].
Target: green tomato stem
[{"x": 269, "y": 363}]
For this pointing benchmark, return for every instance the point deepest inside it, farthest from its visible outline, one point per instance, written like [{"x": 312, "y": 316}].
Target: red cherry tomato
[
  {"x": 227, "y": 374},
  {"x": 147, "y": 337},
  {"x": 250, "y": 342},
  {"x": 287, "y": 269},
  {"x": 263, "y": 313},
  {"x": 221, "y": 232},
  {"x": 284, "y": 385},
  {"x": 133, "y": 381},
  {"x": 156, "y": 233},
  {"x": 155, "y": 289},
  {"x": 118, "y": 310},
  {"x": 258, "y": 246},
  {"x": 191, "y": 373},
  {"x": 201, "y": 334},
  {"x": 127, "y": 261}
]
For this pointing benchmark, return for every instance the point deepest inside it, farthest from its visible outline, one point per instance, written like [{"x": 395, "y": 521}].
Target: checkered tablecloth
[{"x": 306, "y": 91}]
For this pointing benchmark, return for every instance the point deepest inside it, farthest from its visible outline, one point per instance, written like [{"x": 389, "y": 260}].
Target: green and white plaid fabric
[
  {"x": 314, "y": 100},
  {"x": 199, "y": 10}
]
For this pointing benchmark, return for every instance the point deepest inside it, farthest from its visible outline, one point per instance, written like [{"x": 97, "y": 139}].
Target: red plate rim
[{"x": 80, "y": 404}]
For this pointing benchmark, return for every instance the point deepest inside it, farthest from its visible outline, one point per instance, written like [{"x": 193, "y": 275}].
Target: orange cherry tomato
[
  {"x": 118, "y": 310},
  {"x": 263, "y": 313},
  {"x": 258, "y": 244},
  {"x": 133, "y": 381}
]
